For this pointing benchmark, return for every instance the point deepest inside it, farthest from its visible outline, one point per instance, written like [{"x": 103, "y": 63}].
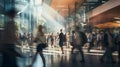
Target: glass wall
[{"x": 28, "y": 14}]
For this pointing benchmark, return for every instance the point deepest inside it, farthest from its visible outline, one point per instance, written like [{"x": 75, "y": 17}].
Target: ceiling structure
[
  {"x": 108, "y": 25},
  {"x": 64, "y": 7},
  {"x": 108, "y": 12},
  {"x": 107, "y": 16}
]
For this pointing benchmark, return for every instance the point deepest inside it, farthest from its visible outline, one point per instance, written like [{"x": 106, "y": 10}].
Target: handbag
[{"x": 44, "y": 45}]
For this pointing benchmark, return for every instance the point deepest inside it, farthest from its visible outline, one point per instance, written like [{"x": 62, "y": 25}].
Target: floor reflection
[{"x": 54, "y": 58}]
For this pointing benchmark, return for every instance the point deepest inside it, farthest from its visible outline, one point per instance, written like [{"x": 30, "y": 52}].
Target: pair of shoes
[{"x": 82, "y": 61}]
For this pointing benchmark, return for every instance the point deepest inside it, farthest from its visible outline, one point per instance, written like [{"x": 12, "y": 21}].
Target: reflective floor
[{"x": 54, "y": 58}]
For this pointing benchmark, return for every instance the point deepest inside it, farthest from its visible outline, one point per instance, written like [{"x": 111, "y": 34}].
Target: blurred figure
[
  {"x": 90, "y": 41},
  {"x": 29, "y": 38},
  {"x": 118, "y": 43},
  {"x": 61, "y": 36},
  {"x": 108, "y": 42},
  {"x": 99, "y": 39},
  {"x": 40, "y": 39},
  {"x": 72, "y": 40},
  {"x": 10, "y": 39},
  {"x": 68, "y": 40},
  {"x": 65, "y": 39},
  {"x": 117, "y": 39},
  {"x": 80, "y": 42},
  {"x": 52, "y": 39},
  {"x": 24, "y": 38}
]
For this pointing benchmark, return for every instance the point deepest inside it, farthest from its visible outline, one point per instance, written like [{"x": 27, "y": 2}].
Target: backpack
[
  {"x": 84, "y": 37},
  {"x": 105, "y": 40},
  {"x": 61, "y": 37}
]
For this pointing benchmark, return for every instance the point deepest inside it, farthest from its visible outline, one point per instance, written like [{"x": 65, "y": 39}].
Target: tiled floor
[{"x": 54, "y": 58}]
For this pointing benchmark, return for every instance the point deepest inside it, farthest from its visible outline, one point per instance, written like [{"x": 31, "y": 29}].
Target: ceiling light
[
  {"x": 116, "y": 17},
  {"x": 117, "y": 21}
]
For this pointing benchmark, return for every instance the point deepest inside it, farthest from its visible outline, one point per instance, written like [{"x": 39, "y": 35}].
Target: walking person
[
  {"x": 80, "y": 41},
  {"x": 99, "y": 39},
  {"x": 90, "y": 41},
  {"x": 40, "y": 39},
  {"x": 68, "y": 40},
  {"x": 72, "y": 40},
  {"x": 117, "y": 39},
  {"x": 10, "y": 38},
  {"x": 52, "y": 39},
  {"x": 118, "y": 43},
  {"x": 108, "y": 43},
  {"x": 61, "y": 42}
]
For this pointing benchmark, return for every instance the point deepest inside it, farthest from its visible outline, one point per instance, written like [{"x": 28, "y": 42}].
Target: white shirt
[{"x": 41, "y": 39}]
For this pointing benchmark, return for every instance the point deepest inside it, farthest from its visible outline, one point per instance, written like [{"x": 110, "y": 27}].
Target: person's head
[
  {"x": 73, "y": 31},
  {"x": 60, "y": 30},
  {"x": 11, "y": 13},
  {"x": 77, "y": 28},
  {"x": 40, "y": 28}
]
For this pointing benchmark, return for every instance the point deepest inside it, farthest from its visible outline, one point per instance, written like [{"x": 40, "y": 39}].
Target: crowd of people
[
  {"x": 106, "y": 39},
  {"x": 103, "y": 40}
]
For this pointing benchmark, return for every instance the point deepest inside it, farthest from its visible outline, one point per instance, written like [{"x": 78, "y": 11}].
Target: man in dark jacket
[
  {"x": 108, "y": 44},
  {"x": 79, "y": 45}
]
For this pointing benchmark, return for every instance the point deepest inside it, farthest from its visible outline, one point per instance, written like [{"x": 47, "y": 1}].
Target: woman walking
[{"x": 40, "y": 39}]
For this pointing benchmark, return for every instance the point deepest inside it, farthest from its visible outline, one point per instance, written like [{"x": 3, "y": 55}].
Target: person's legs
[
  {"x": 9, "y": 56},
  {"x": 61, "y": 46},
  {"x": 111, "y": 50},
  {"x": 104, "y": 55},
  {"x": 118, "y": 52},
  {"x": 8, "y": 60},
  {"x": 82, "y": 55},
  {"x": 34, "y": 58},
  {"x": 73, "y": 47},
  {"x": 39, "y": 48},
  {"x": 89, "y": 47},
  {"x": 43, "y": 58},
  {"x": 108, "y": 55},
  {"x": 62, "y": 50}
]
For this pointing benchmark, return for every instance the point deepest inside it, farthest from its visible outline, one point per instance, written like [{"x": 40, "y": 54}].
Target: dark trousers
[
  {"x": 108, "y": 54},
  {"x": 119, "y": 51},
  {"x": 90, "y": 46},
  {"x": 9, "y": 60},
  {"x": 81, "y": 51},
  {"x": 119, "y": 54},
  {"x": 79, "y": 47}
]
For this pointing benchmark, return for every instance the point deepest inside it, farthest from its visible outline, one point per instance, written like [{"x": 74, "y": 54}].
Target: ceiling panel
[{"x": 65, "y": 6}]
